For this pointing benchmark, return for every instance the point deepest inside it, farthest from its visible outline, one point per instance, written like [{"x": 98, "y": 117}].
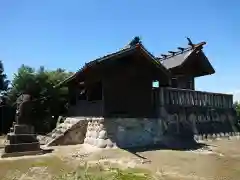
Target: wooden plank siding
[{"x": 189, "y": 98}]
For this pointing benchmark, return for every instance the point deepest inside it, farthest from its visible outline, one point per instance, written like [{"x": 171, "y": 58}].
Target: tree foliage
[
  {"x": 237, "y": 108},
  {"x": 5, "y": 110},
  {"x": 3, "y": 78},
  {"x": 48, "y": 101}
]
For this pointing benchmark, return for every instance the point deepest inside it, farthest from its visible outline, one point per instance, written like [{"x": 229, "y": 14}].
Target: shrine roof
[
  {"x": 176, "y": 59},
  {"x": 165, "y": 63},
  {"x": 127, "y": 49}
]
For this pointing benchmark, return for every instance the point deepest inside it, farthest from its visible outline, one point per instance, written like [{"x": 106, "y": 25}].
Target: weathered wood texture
[
  {"x": 87, "y": 108},
  {"x": 189, "y": 98},
  {"x": 194, "y": 112},
  {"x": 183, "y": 82},
  {"x": 126, "y": 88}
]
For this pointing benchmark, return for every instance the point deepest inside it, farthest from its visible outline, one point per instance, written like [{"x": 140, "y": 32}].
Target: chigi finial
[
  {"x": 181, "y": 49},
  {"x": 164, "y": 55},
  {"x": 172, "y": 52},
  {"x": 190, "y": 42}
]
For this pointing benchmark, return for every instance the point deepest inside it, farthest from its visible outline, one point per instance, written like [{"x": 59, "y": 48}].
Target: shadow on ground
[
  {"x": 46, "y": 151},
  {"x": 178, "y": 145}
]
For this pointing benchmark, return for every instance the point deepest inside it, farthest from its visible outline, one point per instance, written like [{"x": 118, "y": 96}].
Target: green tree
[
  {"x": 48, "y": 101},
  {"x": 237, "y": 108},
  {"x": 3, "y": 84},
  {"x": 3, "y": 78},
  {"x": 5, "y": 110}
]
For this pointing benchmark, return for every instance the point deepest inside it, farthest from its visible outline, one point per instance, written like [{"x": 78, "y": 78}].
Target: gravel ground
[{"x": 219, "y": 160}]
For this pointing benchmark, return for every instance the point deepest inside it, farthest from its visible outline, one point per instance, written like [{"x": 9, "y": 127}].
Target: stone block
[
  {"x": 87, "y": 134},
  {"x": 25, "y": 153},
  {"x": 101, "y": 127},
  {"x": 21, "y": 141},
  {"x": 101, "y": 143},
  {"x": 94, "y": 142},
  {"x": 95, "y": 134},
  {"x": 209, "y": 136},
  {"x": 21, "y": 138},
  {"x": 90, "y": 141},
  {"x": 11, "y": 148},
  {"x": 196, "y": 137},
  {"x": 86, "y": 140},
  {"x": 23, "y": 129},
  {"x": 109, "y": 143},
  {"x": 102, "y": 135}
]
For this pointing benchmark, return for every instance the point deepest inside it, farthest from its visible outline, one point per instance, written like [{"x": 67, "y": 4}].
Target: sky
[{"x": 66, "y": 34}]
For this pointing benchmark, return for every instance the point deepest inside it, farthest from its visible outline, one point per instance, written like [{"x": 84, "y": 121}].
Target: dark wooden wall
[
  {"x": 183, "y": 82},
  {"x": 126, "y": 87},
  {"x": 85, "y": 105},
  {"x": 127, "y": 91}
]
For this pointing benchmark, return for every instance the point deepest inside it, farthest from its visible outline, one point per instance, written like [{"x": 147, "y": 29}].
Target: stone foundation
[
  {"x": 107, "y": 132},
  {"x": 139, "y": 132},
  {"x": 97, "y": 134},
  {"x": 217, "y": 136},
  {"x": 122, "y": 132}
]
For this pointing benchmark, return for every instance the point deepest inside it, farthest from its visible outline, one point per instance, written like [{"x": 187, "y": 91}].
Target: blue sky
[{"x": 66, "y": 34}]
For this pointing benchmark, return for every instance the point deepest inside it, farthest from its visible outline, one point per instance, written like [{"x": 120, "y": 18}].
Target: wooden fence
[{"x": 189, "y": 98}]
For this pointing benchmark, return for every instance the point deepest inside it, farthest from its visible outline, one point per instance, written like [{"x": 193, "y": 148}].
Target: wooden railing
[{"x": 189, "y": 98}]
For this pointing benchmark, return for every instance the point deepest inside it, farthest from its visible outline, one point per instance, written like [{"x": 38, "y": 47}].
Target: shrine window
[{"x": 155, "y": 84}]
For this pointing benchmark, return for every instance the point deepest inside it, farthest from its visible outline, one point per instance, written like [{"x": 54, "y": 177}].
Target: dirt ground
[{"x": 222, "y": 161}]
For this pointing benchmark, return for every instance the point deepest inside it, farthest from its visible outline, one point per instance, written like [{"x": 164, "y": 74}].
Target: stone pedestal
[{"x": 21, "y": 141}]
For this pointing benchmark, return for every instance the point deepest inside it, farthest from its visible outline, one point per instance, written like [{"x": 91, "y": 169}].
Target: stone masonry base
[{"x": 118, "y": 132}]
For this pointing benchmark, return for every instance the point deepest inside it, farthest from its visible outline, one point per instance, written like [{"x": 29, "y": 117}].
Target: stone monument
[{"x": 21, "y": 140}]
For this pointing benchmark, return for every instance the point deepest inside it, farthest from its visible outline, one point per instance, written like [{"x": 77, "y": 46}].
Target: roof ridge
[{"x": 181, "y": 51}]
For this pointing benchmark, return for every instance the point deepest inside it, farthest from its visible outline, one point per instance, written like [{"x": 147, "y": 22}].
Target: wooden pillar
[
  {"x": 103, "y": 99},
  {"x": 72, "y": 93}
]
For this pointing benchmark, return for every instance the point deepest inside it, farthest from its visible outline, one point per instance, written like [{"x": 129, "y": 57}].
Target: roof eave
[
  {"x": 155, "y": 61},
  {"x": 121, "y": 52},
  {"x": 211, "y": 70}
]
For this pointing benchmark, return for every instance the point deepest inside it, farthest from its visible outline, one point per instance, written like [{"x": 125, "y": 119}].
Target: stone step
[
  {"x": 65, "y": 128},
  {"x": 62, "y": 128},
  {"x": 73, "y": 120},
  {"x": 21, "y": 138},
  {"x": 10, "y": 148}
]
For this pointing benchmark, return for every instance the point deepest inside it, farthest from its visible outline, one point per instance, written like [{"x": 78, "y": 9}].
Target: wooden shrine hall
[{"x": 121, "y": 85}]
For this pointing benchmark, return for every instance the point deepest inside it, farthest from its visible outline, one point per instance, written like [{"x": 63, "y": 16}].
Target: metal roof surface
[{"x": 176, "y": 60}]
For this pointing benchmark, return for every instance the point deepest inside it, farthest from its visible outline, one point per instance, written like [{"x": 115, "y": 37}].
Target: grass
[
  {"x": 53, "y": 168},
  {"x": 165, "y": 165},
  {"x": 37, "y": 167},
  {"x": 93, "y": 173}
]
